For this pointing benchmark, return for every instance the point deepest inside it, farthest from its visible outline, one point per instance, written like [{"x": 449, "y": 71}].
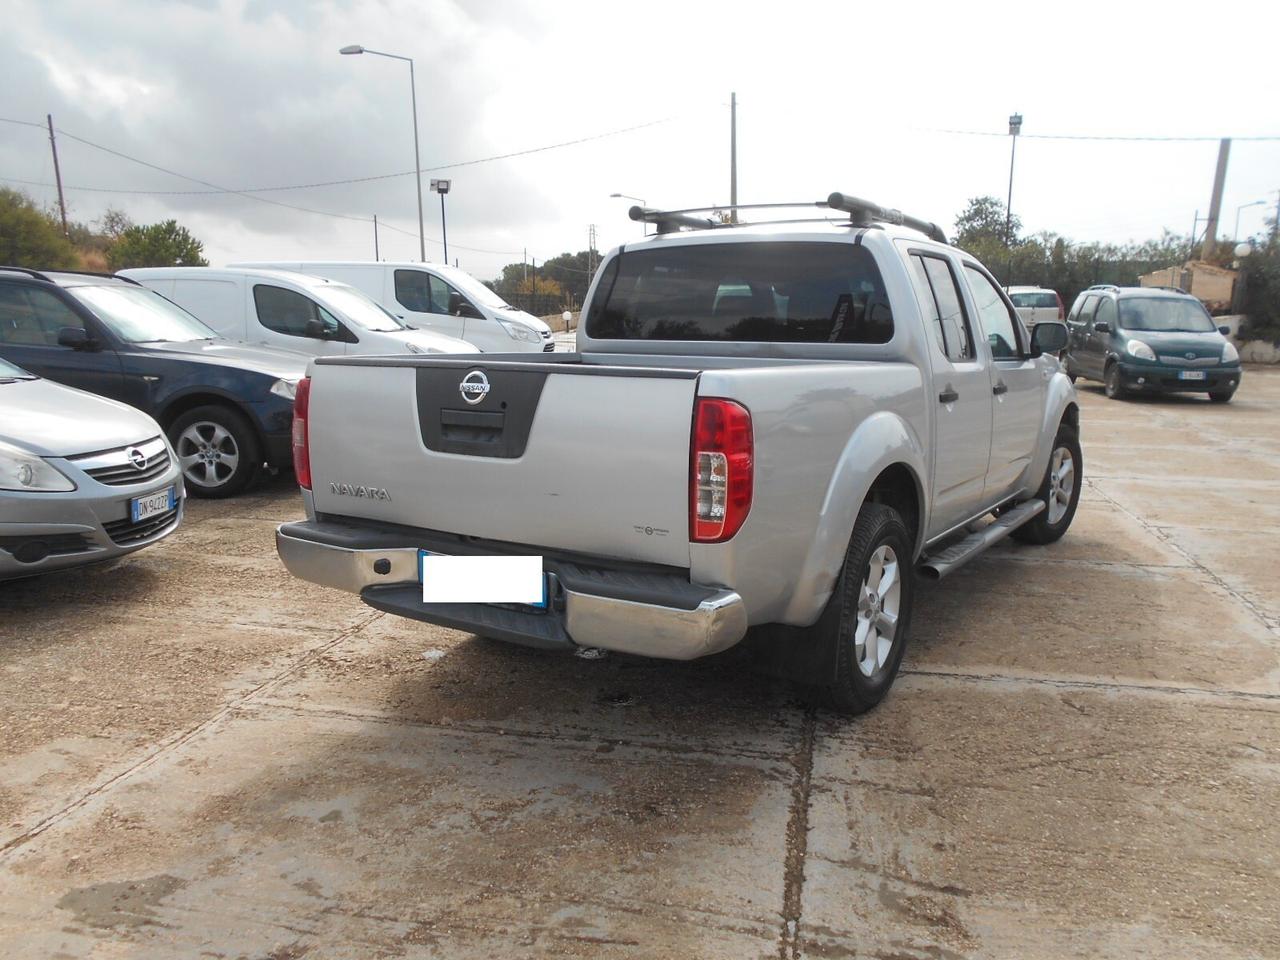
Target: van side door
[
  {"x": 960, "y": 392},
  {"x": 1017, "y": 385},
  {"x": 294, "y": 321},
  {"x": 422, "y": 299}
]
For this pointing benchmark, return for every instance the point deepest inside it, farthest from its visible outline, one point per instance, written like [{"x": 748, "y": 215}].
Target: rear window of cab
[{"x": 780, "y": 292}]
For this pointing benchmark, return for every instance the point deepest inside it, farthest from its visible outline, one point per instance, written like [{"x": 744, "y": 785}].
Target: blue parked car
[{"x": 226, "y": 407}]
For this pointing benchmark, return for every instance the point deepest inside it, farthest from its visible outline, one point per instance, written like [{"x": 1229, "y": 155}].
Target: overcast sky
[{"x": 843, "y": 96}]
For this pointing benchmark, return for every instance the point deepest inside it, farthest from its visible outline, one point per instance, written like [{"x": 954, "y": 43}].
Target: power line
[{"x": 1073, "y": 136}]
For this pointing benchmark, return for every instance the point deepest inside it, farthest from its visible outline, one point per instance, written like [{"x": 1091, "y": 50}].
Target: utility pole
[
  {"x": 733, "y": 158},
  {"x": 1275, "y": 224},
  {"x": 375, "y": 238},
  {"x": 1015, "y": 127},
  {"x": 524, "y": 260},
  {"x": 1215, "y": 203},
  {"x": 57, "y": 176}
]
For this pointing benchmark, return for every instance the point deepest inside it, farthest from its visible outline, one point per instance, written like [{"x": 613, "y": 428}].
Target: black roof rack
[
  {"x": 861, "y": 212},
  {"x": 25, "y": 270},
  {"x": 1104, "y": 286},
  {"x": 1170, "y": 289}
]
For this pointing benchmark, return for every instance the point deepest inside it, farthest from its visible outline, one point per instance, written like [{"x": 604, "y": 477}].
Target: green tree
[
  {"x": 31, "y": 238},
  {"x": 156, "y": 245},
  {"x": 982, "y": 222}
]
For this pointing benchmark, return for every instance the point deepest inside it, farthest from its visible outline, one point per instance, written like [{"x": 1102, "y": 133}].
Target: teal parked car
[{"x": 1149, "y": 340}]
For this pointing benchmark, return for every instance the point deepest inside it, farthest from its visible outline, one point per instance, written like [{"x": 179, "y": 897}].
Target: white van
[
  {"x": 438, "y": 297},
  {"x": 291, "y": 310}
]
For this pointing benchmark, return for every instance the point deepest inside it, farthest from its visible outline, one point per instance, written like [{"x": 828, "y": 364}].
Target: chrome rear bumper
[{"x": 680, "y": 629}]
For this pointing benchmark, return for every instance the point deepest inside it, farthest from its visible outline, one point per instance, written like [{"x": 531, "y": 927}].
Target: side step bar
[{"x": 937, "y": 565}]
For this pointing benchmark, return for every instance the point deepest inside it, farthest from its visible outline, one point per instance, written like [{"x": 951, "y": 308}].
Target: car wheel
[
  {"x": 217, "y": 450},
  {"x": 1222, "y": 396},
  {"x": 1060, "y": 490},
  {"x": 1111, "y": 383},
  {"x": 865, "y": 622}
]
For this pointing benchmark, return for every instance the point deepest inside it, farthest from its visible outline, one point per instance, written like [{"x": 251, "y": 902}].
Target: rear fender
[{"x": 881, "y": 441}]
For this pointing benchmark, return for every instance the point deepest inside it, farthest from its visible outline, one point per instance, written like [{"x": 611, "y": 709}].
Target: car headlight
[
  {"x": 28, "y": 473},
  {"x": 1230, "y": 354},
  {"x": 518, "y": 331},
  {"x": 1136, "y": 348},
  {"x": 285, "y": 388}
]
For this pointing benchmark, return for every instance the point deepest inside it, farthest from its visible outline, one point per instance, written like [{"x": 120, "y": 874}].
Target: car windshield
[
  {"x": 9, "y": 371},
  {"x": 1164, "y": 315},
  {"x": 1034, "y": 300},
  {"x": 139, "y": 315},
  {"x": 357, "y": 308}
]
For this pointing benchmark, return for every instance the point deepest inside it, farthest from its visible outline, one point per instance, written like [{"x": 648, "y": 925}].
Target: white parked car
[
  {"x": 1036, "y": 304},
  {"x": 308, "y": 314},
  {"x": 437, "y": 297}
]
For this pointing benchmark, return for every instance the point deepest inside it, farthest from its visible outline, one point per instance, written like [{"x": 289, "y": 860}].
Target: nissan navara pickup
[{"x": 775, "y": 427}]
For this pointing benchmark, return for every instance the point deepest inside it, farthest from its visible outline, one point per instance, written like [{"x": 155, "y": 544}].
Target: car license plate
[
  {"x": 153, "y": 503},
  {"x": 1190, "y": 374},
  {"x": 448, "y": 579}
]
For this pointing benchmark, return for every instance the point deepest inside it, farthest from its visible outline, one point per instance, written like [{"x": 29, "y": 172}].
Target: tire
[
  {"x": 863, "y": 673},
  {"x": 1052, "y": 522},
  {"x": 1112, "y": 385},
  {"x": 218, "y": 451},
  {"x": 1222, "y": 396}
]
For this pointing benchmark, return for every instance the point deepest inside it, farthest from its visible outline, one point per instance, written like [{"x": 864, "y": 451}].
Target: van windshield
[
  {"x": 357, "y": 308},
  {"x": 781, "y": 292},
  {"x": 1164, "y": 315},
  {"x": 477, "y": 291}
]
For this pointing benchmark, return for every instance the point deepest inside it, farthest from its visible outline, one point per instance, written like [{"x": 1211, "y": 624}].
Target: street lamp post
[
  {"x": 442, "y": 187},
  {"x": 1252, "y": 203},
  {"x": 417, "y": 163},
  {"x": 1015, "y": 127},
  {"x": 644, "y": 224}
]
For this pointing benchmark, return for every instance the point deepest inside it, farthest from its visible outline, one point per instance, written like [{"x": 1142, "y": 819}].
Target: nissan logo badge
[{"x": 474, "y": 386}]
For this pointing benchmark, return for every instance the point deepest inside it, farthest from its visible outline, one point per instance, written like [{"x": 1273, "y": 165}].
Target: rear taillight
[
  {"x": 301, "y": 449},
  {"x": 1062, "y": 313},
  {"x": 721, "y": 470}
]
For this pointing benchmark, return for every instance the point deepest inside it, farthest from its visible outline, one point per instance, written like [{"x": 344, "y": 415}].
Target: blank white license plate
[
  {"x": 153, "y": 503},
  {"x": 1190, "y": 374},
  {"x": 482, "y": 579}
]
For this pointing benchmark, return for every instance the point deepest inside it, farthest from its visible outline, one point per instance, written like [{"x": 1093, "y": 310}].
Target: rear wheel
[
  {"x": 1111, "y": 382},
  {"x": 866, "y": 620},
  {"x": 217, "y": 450},
  {"x": 1060, "y": 490}
]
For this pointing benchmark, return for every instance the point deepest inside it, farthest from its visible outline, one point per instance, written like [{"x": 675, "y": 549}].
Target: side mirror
[
  {"x": 1048, "y": 336},
  {"x": 1224, "y": 330},
  {"x": 1102, "y": 326},
  {"x": 75, "y": 337},
  {"x": 316, "y": 330}
]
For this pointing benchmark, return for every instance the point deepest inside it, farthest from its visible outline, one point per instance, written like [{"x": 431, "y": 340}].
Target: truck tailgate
[{"x": 583, "y": 458}]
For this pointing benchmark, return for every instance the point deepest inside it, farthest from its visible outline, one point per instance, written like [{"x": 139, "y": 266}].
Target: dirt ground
[{"x": 201, "y": 757}]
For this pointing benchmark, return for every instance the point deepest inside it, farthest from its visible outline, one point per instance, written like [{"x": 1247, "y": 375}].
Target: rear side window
[
  {"x": 940, "y": 297},
  {"x": 746, "y": 292}
]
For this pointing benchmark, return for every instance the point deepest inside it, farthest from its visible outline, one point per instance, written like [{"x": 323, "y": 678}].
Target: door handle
[
  {"x": 948, "y": 396},
  {"x": 1000, "y": 387}
]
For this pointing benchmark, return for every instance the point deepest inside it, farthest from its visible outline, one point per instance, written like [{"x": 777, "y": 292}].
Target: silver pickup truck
[{"x": 773, "y": 426}]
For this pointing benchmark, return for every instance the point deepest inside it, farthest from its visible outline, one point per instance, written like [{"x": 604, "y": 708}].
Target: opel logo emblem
[
  {"x": 136, "y": 457},
  {"x": 474, "y": 386}
]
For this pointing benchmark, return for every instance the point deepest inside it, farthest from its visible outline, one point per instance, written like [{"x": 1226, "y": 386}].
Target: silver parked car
[{"x": 82, "y": 478}]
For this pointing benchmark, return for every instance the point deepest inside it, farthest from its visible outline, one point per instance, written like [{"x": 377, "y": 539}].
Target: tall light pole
[
  {"x": 417, "y": 164},
  {"x": 1252, "y": 203},
  {"x": 442, "y": 187},
  {"x": 1015, "y": 127},
  {"x": 644, "y": 224}
]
